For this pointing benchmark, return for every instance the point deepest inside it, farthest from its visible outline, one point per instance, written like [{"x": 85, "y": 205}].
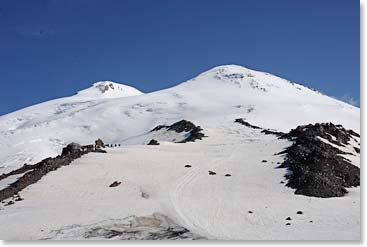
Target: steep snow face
[
  {"x": 108, "y": 89},
  {"x": 213, "y": 99},
  {"x": 267, "y": 100}
]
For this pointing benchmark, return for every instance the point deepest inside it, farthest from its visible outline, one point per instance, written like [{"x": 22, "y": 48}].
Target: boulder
[
  {"x": 153, "y": 142},
  {"x": 71, "y": 148}
]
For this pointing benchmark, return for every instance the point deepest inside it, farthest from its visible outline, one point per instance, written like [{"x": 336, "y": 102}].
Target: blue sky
[{"x": 53, "y": 48}]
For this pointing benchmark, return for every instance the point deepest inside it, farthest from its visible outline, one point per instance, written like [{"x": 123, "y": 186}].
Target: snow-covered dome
[{"x": 108, "y": 89}]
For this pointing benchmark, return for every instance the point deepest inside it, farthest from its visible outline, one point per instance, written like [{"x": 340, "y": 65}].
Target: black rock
[
  {"x": 33, "y": 173},
  {"x": 247, "y": 124},
  {"x": 182, "y": 126},
  {"x": 316, "y": 168},
  {"x": 264, "y": 161},
  {"x": 187, "y": 166},
  {"x": 324, "y": 130},
  {"x": 288, "y": 218},
  {"x": 228, "y": 175},
  {"x": 264, "y": 131},
  {"x": 9, "y": 203},
  {"x": 351, "y": 132},
  {"x": 299, "y": 212},
  {"x": 212, "y": 173},
  {"x": 144, "y": 195},
  {"x": 194, "y": 132},
  {"x": 250, "y": 212},
  {"x": 272, "y": 132},
  {"x": 153, "y": 142},
  {"x": 114, "y": 184},
  {"x": 288, "y": 224},
  {"x": 71, "y": 148},
  {"x": 159, "y": 127}
]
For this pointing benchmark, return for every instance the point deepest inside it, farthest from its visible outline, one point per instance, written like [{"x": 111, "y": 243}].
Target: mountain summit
[{"x": 108, "y": 89}]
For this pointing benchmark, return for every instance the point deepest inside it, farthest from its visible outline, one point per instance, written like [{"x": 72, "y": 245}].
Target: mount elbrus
[{"x": 197, "y": 157}]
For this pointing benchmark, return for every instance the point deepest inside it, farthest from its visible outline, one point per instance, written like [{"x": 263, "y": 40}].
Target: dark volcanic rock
[
  {"x": 265, "y": 131},
  {"x": 247, "y": 124},
  {"x": 9, "y": 203},
  {"x": 153, "y": 142},
  {"x": 149, "y": 227},
  {"x": 71, "y": 148},
  {"x": 351, "y": 132},
  {"x": 182, "y": 126},
  {"x": 272, "y": 132},
  {"x": 212, "y": 173},
  {"x": 324, "y": 130},
  {"x": 34, "y": 173},
  {"x": 194, "y": 132},
  {"x": 159, "y": 127},
  {"x": 114, "y": 184},
  {"x": 316, "y": 168}
]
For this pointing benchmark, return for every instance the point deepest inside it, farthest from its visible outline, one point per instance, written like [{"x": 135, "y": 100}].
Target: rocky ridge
[
  {"x": 317, "y": 168},
  {"x": 194, "y": 132}
]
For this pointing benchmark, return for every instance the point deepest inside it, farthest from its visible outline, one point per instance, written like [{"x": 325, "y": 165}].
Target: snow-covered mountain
[
  {"x": 251, "y": 203},
  {"x": 108, "y": 89},
  {"x": 213, "y": 98}
]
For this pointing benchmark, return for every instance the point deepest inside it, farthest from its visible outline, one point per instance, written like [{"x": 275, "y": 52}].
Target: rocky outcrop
[
  {"x": 194, "y": 132},
  {"x": 150, "y": 227},
  {"x": 71, "y": 148},
  {"x": 245, "y": 123},
  {"x": 114, "y": 184},
  {"x": 335, "y": 134},
  {"x": 34, "y": 173},
  {"x": 153, "y": 142},
  {"x": 265, "y": 131},
  {"x": 317, "y": 168}
]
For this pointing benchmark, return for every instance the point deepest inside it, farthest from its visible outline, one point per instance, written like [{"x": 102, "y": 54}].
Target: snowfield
[{"x": 157, "y": 192}]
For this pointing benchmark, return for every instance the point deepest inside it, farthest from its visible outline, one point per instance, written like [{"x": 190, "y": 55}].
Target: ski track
[{"x": 176, "y": 200}]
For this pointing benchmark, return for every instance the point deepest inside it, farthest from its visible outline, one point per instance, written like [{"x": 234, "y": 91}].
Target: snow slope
[
  {"x": 67, "y": 202},
  {"x": 108, "y": 89},
  {"x": 212, "y": 98},
  {"x": 216, "y": 207}
]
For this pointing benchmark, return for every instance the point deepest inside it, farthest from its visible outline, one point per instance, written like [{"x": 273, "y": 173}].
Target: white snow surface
[
  {"x": 215, "y": 97},
  {"x": 71, "y": 199},
  {"x": 108, "y": 89},
  {"x": 214, "y": 207}
]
